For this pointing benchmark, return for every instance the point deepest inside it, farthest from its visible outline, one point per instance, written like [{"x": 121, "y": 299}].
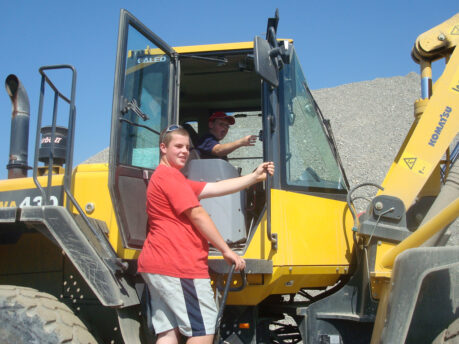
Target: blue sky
[{"x": 338, "y": 42}]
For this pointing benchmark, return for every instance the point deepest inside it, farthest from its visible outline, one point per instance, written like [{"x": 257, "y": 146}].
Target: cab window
[
  {"x": 309, "y": 159},
  {"x": 146, "y": 85}
]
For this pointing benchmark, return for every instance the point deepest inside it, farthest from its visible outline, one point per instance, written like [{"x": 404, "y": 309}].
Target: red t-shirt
[{"x": 173, "y": 247}]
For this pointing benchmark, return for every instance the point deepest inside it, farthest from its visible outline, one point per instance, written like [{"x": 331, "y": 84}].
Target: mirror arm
[
  {"x": 275, "y": 52},
  {"x": 272, "y": 37}
]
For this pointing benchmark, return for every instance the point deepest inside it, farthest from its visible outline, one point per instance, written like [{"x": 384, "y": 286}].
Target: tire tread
[{"x": 54, "y": 316}]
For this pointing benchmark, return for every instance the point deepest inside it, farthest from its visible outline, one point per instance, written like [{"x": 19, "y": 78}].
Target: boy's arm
[
  {"x": 204, "y": 224},
  {"x": 227, "y": 186},
  {"x": 222, "y": 149}
]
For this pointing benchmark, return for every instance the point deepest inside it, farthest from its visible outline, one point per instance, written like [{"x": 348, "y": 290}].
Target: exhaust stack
[{"x": 19, "y": 138}]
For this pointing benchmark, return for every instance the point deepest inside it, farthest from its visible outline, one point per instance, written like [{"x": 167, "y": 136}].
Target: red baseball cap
[{"x": 222, "y": 115}]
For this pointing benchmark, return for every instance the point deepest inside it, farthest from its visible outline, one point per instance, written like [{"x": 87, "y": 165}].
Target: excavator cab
[
  {"x": 293, "y": 230},
  {"x": 156, "y": 85}
]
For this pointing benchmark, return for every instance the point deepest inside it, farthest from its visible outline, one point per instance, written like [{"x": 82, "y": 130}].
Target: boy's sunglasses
[{"x": 173, "y": 127}]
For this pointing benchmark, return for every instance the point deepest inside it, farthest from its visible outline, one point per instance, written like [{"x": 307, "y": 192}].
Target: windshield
[
  {"x": 146, "y": 84},
  {"x": 308, "y": 153}
]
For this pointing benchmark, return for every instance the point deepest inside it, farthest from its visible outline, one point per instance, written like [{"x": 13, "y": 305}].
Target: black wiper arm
[
  {"x": 132, "y": 105},
  {"x": 140, "y": 125},
  {"x": 222, "y": 60}
]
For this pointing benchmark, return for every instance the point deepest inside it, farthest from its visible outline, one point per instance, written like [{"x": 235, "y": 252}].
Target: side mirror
[
  {"x": 263, "y": 61},
  {"x": 270, "y": 55}
]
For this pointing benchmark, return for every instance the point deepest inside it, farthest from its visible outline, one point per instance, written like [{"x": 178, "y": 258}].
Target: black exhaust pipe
[{"x": 19, "y": 139}]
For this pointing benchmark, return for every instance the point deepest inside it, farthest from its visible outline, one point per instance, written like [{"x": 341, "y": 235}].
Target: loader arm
[
  {"x": 438, "y": 41},
  {"x": 436, "y": 116},
  {"x": 413, "y": 177}
]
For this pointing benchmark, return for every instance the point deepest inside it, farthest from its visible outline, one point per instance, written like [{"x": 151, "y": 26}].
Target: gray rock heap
[{"x": 370, "y": 120}]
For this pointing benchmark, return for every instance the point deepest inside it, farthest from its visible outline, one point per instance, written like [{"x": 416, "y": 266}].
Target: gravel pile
[
  {"x": 370, "y": 120},
  {"x": 99, "y": 158}
]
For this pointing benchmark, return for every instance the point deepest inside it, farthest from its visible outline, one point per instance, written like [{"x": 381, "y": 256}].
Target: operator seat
[
  {"x": 194, "y": 153},
  {"x": 227, "y": 212}
]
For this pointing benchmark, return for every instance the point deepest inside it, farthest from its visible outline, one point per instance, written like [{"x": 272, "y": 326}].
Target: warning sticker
[
  {"x": 410, "y": 162},
  {"x": 415, "y": 164}
]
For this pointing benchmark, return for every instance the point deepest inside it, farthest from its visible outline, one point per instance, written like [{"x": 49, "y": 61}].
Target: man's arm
[
  {"x": 204, "y": 224},
  {"x": 222, "y": 149},
  {"x": 227, "y": 186}
]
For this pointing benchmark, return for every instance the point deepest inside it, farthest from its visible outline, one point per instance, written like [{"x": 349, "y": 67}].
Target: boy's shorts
[{"x": 183, "y": 303}]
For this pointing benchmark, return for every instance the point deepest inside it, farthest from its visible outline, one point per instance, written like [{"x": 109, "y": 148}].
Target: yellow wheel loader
[{"x": 316, "y": 272}]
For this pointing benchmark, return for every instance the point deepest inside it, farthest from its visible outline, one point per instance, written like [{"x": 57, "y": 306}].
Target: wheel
[
  {"x": 450, "y": 335},
  {"x": 30, "y": 316}
]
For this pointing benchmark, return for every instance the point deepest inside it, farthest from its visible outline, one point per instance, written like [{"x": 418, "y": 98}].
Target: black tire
[
  {"x": 30, "y": 316},
  {"x": 450, "y": 335}
]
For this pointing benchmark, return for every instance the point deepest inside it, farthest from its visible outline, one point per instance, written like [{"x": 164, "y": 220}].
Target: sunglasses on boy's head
[{"x": 173, "y": 127}]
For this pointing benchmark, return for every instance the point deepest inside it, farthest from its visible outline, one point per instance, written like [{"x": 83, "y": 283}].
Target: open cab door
[{"x": 144, "y": 101}]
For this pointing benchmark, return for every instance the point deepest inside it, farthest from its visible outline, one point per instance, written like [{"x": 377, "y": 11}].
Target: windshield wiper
[
  {"x": 139, "y": 125},
  {"x": 219, "y": 60},
  {"x": 132, "y": 105}
]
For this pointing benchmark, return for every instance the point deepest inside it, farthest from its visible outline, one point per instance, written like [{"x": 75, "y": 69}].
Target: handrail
[{"x": 69, "y": 152}]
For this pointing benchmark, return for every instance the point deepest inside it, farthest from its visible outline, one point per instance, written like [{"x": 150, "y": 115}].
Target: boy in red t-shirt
[{"x": 173, "y": 261}]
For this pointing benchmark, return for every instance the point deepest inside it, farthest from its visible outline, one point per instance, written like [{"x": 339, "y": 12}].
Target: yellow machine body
[{"x": 299, "y": 232}]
